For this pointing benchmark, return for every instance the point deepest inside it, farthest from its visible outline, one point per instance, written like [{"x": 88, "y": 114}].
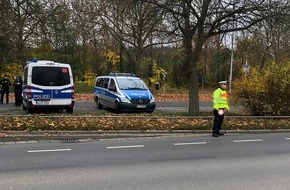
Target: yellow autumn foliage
[
  {"x": 266, "y": 92},
  {"x": 11, "y": 70}
]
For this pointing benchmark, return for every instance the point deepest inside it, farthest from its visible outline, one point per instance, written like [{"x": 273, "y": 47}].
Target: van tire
[
  {"x": 117, "y": 107},
  {"x": 99, "y": 105},
  {"x": 69, "y": 110},
  {"x": 29, "y": 111}
]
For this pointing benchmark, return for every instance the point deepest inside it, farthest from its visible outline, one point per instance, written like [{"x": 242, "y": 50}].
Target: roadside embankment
[{"x": 25, "y": 126}]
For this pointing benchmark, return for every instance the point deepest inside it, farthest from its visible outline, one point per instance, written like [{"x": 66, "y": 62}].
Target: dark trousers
[
  {"x": 17, "y": 94},
  {"x": 5, "y": 91},
  {"x": 217, "y": 122}
]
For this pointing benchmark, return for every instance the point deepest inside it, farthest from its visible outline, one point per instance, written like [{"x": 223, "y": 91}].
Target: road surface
[{"x": 249, "y": 161}]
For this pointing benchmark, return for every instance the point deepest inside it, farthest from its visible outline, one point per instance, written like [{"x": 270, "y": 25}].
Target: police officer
[
  {"x": 220, "y": 105},
  {"x": 5, "y": 89},
  {"x": 17, "y": 90}
]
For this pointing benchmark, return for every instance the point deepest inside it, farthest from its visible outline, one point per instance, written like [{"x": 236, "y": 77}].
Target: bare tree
[
  {"x": 133, "y": 24},
  {"x": 199, "y": 20},
  {"x": 273, "y": 35}
]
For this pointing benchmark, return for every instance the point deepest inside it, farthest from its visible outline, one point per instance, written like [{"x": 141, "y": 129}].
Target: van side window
[
  {"x": 106, "y": 82},
  {"x": 99, "y": 82},
  {"x": 102, "y": 82},
  {"x": 112, "y": 85}
]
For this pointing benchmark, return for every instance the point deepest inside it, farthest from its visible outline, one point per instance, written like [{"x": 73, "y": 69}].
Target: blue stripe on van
[
  {"x": 129, "y": 94},
  {"x": 105, "y": 92},
  {"x": 137, "y": 94},
  {"x": 38, "y": 93}
]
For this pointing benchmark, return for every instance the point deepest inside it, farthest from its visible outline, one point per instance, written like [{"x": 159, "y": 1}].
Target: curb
[{"x": 12, "y": 137}]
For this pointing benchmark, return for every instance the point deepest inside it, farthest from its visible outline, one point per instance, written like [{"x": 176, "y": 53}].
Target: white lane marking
[
  {"x": 51, "y": 150},
  {"x": 191, "y": 143},
  {"x": 132, "y": 146},
  {"x": 287, "y": 138},
  {"x": 252, "y": 140}
]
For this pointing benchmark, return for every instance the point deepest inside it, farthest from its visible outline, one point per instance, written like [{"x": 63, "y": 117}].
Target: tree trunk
[
  {"x": 191, "y": 58},
  {"x": 193, "y": 108}
]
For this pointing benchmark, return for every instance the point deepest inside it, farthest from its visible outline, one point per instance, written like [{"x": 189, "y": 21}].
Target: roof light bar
[{"x": 123, "y": 74}]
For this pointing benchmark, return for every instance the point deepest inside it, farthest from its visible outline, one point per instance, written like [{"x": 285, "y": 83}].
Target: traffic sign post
[{"x": 246, "y": 67}]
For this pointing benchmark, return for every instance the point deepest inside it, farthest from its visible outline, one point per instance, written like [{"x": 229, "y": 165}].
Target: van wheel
[
  {"x": 69, "y": 110},
  {"x": 29, "y": 111},
  {"x": 99, "y": 105},
  {"x": 117, "y": 107}
]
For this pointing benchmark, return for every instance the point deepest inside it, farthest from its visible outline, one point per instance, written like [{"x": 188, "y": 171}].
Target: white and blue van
[
  {"x": 48, "y": 85},
  {"x": 123, "y": 92}
]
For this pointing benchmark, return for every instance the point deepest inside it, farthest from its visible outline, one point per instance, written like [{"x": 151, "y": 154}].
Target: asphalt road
[
  {"x": 85, "y": 107},
  {"x": 249, "y": 161}
]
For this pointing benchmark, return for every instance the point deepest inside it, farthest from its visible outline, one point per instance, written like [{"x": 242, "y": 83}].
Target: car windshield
[{"x": 131, "y": 83}]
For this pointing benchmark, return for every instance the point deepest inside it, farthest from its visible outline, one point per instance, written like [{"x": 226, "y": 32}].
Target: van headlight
[
  {"x": 125, "y": 100},
  {"x": 152, "y": 100}
]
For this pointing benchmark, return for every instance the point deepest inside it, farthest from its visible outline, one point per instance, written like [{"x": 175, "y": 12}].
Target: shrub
[
  {"x": 266, "y": 92},
  {"x": 85, "y": 85}
]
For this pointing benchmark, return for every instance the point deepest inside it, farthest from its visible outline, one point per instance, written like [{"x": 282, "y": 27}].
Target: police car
[
  {"x": 47, "y": 84},
  {"x": 123, "y": 92}
]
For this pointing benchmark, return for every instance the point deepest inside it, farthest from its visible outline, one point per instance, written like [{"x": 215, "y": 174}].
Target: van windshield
[
  {"x": 50, "y": 76},
  {"x": 131, "y": 83}
]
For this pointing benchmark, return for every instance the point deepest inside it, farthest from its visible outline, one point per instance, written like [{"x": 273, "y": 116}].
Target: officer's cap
[{"x": 222, "y": 82}]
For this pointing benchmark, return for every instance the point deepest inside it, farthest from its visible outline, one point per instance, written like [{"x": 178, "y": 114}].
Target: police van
[
  {"x": 47, "y": 84},
  {"x": 123, "y": 92}
]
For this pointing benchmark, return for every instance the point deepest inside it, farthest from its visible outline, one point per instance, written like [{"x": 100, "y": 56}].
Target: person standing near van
[
  {"x": 17, "y": 90},
  {"x": 5, "y": 89},
  {"x": 220, "y": 105}
]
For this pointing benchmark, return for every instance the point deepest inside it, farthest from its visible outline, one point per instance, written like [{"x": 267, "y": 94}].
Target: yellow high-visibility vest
[{"x": 220, "y": 99}]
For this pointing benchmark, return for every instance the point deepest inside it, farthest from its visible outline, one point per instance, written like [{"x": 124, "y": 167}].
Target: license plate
[
  {"x": 141, "y": 106},
  {"x": 42, "y": 102}
]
